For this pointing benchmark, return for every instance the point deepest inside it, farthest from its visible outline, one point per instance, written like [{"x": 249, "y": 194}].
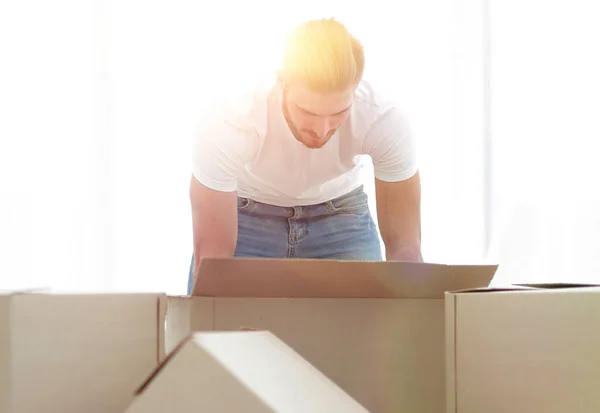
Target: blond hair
[{"x": 324, "y": 56}]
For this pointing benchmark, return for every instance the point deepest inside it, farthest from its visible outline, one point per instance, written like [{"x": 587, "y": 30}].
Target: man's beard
[
  {"x": 291, "y": 125},
  {"x": 298, "y": 135}
]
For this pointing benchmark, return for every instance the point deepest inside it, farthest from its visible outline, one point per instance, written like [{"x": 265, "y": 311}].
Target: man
[{"x": 276, "y": 175}]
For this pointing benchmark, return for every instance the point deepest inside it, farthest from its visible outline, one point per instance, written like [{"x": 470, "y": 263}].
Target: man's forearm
[
  {"x": 405, "y": 252},
  {"x": 399, "y": 217}
]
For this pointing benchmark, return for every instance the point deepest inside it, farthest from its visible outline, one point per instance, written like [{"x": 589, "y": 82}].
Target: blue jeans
[{"x": 340, "y": 229}]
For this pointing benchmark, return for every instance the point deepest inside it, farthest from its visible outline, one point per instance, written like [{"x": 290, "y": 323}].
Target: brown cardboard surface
[
  {"x": 77, "y": 352},
  {"x": 521, "y": 287},
  {"x": 450, "y": 353},
  {"x": 384, "y": 352},
  {"x": 5, "y": 355},
  {"x": 296, "y": 278},
  {"x": 253, "y": 372},
  {"x": 525, "y": 351},
  {"x": 182, "y": 313},
  {"x": 160, "y": 326},
  {"x": 162, "y": 364},
  {"x": 556, "y": 285},
  {"x": 494, "y": 289},
  {"x": 375, "y": 328}
]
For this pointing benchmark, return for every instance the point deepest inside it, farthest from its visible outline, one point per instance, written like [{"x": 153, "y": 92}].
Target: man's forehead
[
  {"x": 322, "y": 104},
  {"x": 310, "y": 111}
]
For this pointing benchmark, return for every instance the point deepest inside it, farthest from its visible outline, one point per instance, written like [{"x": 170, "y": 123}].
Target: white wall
[
  {"x": 55, "y": 228},
  {"x": 545, "y": 95},
  {"x": 99, "y": 100}
]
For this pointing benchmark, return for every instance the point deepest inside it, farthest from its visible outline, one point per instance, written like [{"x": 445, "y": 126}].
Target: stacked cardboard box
[
  {"x": 67, "y": 353},
  {"x": 341, "y": 336},
  {"x": 251, "y": 372},
  {"x": 375, "y": 328},
  {"x": 526, "y": 349}
]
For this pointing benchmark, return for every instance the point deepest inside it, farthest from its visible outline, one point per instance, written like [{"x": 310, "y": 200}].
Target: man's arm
[
  {"x": 392, "y": 146},
  {"x": 399, "y": 218},
  {"x": 214, "y": 220},
  {"x": 224, "y": 143}
]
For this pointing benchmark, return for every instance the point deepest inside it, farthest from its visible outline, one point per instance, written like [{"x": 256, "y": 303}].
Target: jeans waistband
[{"x": 352, "y": 201}]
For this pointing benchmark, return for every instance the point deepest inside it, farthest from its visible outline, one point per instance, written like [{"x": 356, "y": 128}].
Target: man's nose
[{"x": 324, "y": 128}]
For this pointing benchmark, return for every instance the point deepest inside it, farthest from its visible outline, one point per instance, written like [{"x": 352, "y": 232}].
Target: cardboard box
[
  {"x": 73, "y": 353},
  {"x": 251, "y": 372},
  {"x": 526, "y": 349},
  {"x": 375, "y": 328}
]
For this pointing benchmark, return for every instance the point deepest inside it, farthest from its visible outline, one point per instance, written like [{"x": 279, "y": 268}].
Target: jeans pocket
[{"x": 352, "y": 203}]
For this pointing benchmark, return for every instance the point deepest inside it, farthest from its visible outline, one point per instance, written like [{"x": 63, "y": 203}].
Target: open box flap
[
  {"x": 524, "y": 287},
  {"x": 548, "y": 286},
  {"x": 303, "y": 278},
  {"x": 494, "y": 289}
]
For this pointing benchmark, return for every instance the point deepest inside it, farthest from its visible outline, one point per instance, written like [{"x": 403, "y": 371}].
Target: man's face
[{"x": 315, "y": 117}]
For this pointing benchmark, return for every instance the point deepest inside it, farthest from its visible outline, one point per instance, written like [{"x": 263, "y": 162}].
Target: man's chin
[{"x": 314, "y": 144}]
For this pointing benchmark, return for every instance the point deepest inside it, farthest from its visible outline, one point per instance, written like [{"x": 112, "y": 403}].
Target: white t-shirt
[{"x": 247, "y": 146}]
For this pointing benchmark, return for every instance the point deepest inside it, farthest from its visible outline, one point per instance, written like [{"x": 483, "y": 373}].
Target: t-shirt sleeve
[
  {"x": 392, "y": 147},
  {"x": 223, "y": 145}
]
